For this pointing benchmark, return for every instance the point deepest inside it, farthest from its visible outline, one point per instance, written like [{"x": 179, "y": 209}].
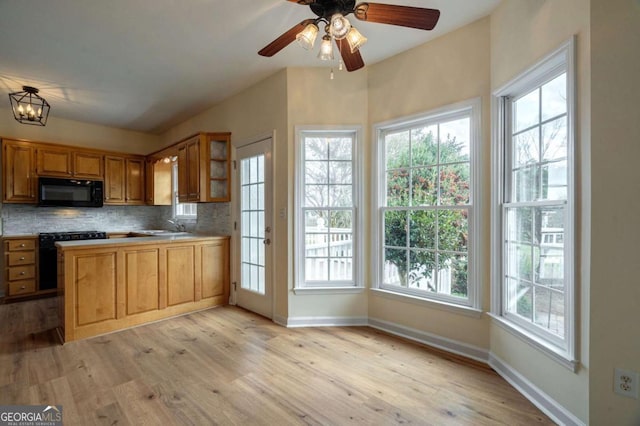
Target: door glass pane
[{"x": 252, "y": 254}]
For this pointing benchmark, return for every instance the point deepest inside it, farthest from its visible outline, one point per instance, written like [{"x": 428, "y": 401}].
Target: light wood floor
[{"x": 229, "y": 366}]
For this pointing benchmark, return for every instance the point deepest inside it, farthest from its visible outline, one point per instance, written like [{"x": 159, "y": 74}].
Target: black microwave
[{"x": 70, "y": 192}]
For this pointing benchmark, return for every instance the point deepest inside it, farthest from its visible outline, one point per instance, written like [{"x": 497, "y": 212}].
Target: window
[
  {"x": 425, "y": 212},
  {"x": 534, "y": 177},
  {"x": 181, "y": 210},
  {"x": 327, "y": 198}
]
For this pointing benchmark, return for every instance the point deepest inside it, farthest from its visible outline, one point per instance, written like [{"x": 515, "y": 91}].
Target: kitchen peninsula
[{"x": 108, "y": 285}]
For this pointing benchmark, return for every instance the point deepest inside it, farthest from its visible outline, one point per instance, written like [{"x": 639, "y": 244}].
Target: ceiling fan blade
[
  {"x": 284, "y": 40},
  {"x": 352, "y": 61},
  {"x": 404, "y": 16},
  {"x": 304, "y": 2}
]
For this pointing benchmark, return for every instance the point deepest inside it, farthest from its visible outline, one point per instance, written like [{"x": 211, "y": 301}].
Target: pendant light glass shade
[
  {"x": 339, "y": 27},
  {"x": 355, "y": 39},
  {"x": 326, "y": 49},
  {"x": 28, "y": 107},
  {"x": 307, "y": 37}
]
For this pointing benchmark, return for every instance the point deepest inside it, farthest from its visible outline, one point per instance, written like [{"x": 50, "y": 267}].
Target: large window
[
  {"x": 425, "y": 208},
  {"x": 535, "y": 185},
  {"x": 327, "y": 220}
]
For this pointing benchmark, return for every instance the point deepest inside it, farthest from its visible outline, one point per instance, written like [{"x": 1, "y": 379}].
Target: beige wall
[
  {"x": 257, "y": 111},
  {"x": 76, "y": 133},
  {"x": 450, "y": 69},
  {"x": 615, "y": 147},
  {"x": 523, "y": 32},
  {"x": 316, "y": 100}
]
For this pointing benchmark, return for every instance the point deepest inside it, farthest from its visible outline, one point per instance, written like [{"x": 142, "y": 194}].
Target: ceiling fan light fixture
[
  {"x": 339, "y": 26},
  {"x": 307, "y": 37},
  {"x": 355, "y": 39},
  {"x": 28, "y": 107},
  {"x": 326, "y": 49}
]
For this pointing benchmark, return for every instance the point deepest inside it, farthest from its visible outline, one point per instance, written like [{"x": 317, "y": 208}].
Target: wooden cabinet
[
  {"x": 124, "y": 180},
  {"x": 204, "y": 168},
  {"x": 215, "y": 269},
  {"x": 159, "y": 188},
  {"x": 114, "y": 180},
  {"x": 53, "y": 161},
  {"x": 181, "y": 274},
  {"x": 20, "y": 260},
  {"x": 107, "y": 287},
  {"x": 18, "y": 172},
  {"x": 88, "y": 165}
]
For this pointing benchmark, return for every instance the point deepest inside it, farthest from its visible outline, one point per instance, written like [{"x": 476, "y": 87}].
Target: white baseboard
[
  {"x": 449, "y": 345},
  {"x": 540, "y": 399},
  {"x": 292, "y": 322}
]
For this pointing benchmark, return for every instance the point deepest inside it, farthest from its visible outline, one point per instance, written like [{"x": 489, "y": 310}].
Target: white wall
[
  {"x": 615, "y": 149},
  {"x": 522, "y": 32}
]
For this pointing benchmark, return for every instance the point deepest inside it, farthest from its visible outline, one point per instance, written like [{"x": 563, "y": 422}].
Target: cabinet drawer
[
  {"x": 22, "y": 272},
  {"x": 22, "y": 287},
  {"x": 22, "y": 258},
  {"x": 26, "y": 244}
]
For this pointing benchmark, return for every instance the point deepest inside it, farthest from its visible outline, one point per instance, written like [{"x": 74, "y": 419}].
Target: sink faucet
[{"x": 179, "y": 226}]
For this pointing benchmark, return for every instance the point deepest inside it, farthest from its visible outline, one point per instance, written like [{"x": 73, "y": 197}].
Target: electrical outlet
[{"x": 625, "y": 383}]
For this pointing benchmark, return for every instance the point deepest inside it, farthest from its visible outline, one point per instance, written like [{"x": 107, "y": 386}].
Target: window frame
[
  {"x": 562, "y": 60},
  {"x": 319, "y": 287},
  {"x": 472, "y": 304}
]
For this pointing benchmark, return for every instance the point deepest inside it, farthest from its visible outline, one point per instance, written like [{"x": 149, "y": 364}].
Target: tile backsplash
[{"x": 29, "y": 219}]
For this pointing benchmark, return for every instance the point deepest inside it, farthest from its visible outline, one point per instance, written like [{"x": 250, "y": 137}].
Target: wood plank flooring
[{"x": 229, "y": 366}]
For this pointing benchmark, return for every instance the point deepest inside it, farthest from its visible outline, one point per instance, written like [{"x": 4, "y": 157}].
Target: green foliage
[{"x": 424, "y": 172}]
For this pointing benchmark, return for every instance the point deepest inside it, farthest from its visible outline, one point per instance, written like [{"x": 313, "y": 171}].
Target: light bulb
[
  {"x": 307, "y": 37},
  {"x": 355, "y": 39},
  {"x": 340, "y": 26},
  {"x": 20, "y": 109},
  {"x": 326, "y": 49}
]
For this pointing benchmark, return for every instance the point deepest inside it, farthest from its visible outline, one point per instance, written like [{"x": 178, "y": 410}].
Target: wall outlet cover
[{"x": 625, "y": 383}]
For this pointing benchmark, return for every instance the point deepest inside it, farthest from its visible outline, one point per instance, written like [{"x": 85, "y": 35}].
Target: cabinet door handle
[
  {"x": 23, "y": 287},
  {"x": 22, "y": 245},
  {"x": 22, "y": 272},
  {"x": 22, "y": 258}
]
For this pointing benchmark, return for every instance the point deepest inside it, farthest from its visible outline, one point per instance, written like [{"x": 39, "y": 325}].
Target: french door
[{"x": 254, "y": 174}]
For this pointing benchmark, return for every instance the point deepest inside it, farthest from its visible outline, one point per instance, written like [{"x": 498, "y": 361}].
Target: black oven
[
  {"x": 48, "y": 253},
  {"x": 70, "y": 192}
]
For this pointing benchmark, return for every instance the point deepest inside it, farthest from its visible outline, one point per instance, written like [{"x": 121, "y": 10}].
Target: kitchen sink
[{"x": 160, "y": 232}]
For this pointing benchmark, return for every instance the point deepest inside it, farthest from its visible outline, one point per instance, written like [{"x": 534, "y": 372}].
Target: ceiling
[{"x": 148, "y": 65}]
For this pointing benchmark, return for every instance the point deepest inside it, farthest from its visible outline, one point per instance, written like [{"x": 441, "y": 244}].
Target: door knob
[
  {"x": 266, "y": 241},
  {"x": 267, "y": 229}
]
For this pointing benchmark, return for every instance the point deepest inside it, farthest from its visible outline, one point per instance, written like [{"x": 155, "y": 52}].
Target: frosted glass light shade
[
  {"x": 355, "y": 39},
  {"x": 339, "y": 27},
  {"x": 326, "y": 49},
  {"x": 307, "y": 37}
]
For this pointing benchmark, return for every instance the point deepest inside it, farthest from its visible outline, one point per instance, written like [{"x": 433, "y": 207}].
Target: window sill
[
  {"x": 444, "y": 306},
  {"x": 327, "y": 290},
  {"x": 556, "y": 354}
]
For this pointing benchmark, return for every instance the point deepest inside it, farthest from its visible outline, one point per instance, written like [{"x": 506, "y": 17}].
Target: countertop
[{"x": 136, "y": 240}]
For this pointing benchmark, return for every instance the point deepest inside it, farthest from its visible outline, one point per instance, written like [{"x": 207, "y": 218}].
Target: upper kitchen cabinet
[
  {"x": 53, "y": 161},
  {"x": 158, "y": 179},
  {"x": 204, "y": 168},
  {"x": 87, "y": 164},
  {"x": 18, "y": 172},
  {"x": 124, "y": 180}
]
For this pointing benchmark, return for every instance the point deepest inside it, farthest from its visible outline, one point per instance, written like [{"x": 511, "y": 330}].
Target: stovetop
[{"x": 51, "y": 237}]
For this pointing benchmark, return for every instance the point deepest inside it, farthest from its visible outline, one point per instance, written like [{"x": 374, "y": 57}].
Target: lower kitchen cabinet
[
  {"x": 110, "y": 286},
  {"x": 20, "y": 267}
]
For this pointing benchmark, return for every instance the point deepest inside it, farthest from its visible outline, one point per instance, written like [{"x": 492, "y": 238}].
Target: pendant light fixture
[{"x": 28, "y": 107}]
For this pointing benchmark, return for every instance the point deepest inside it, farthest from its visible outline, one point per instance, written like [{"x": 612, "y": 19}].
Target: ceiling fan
[{"x": 333, "y": 14}]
